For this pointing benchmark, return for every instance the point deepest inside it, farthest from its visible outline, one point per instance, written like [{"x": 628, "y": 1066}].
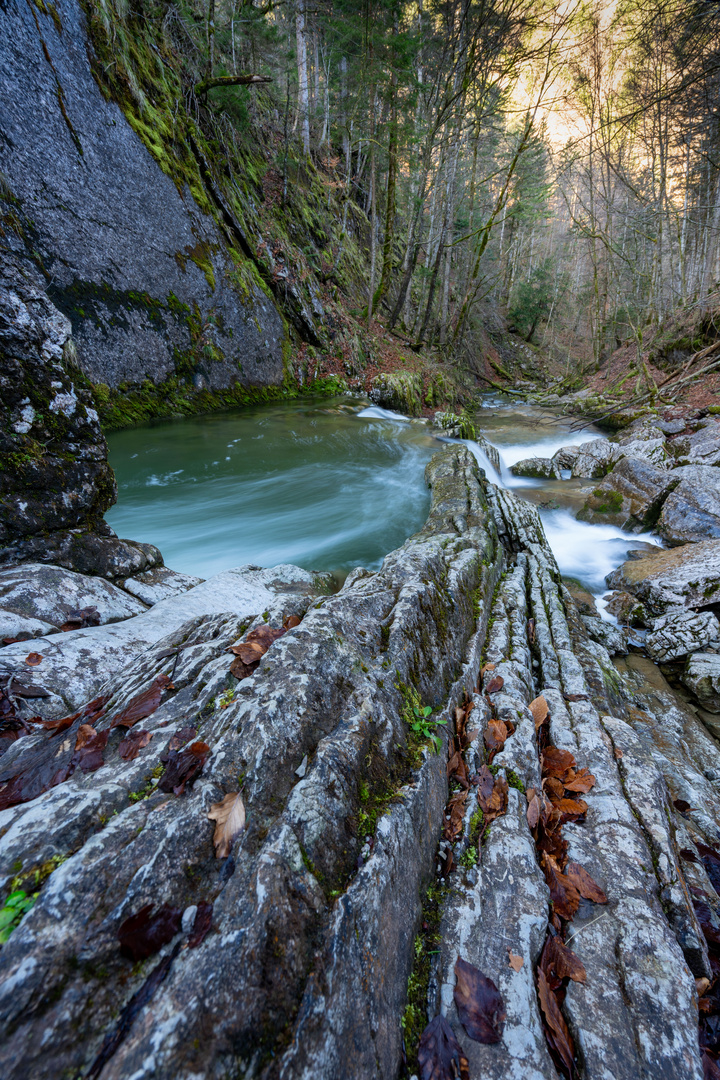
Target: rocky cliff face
[
  {"x": 55, "y": 480},
  {"x": 143, "y": 274}
]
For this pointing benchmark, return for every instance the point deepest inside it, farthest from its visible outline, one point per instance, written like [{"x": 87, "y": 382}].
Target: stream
[{"x": 329, "y": 486}]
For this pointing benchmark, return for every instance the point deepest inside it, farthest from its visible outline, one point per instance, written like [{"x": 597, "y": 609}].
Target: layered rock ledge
[{"x": 314, "y": 960}]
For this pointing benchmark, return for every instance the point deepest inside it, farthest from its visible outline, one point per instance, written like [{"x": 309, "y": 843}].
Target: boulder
[
  {"x": 75, "y": 665},
  {"x": 631, "y": 496},
  {"x": 627, "y": 609},
  {"x": 99, "y": 552},
  {"x": 692, "y": 510},
  {"x": 159, "y": 583},
  {"x": 21, "y": 628},
  {"x": 687, "y": 576},
  {"x": 700, "y": 447},
  {"x": 643, "y": 440},
  {"x": 595, "y": 459},
  {"x": 681, "y": 632},
  {"x": 606, "y": 634},
  {"x": 53, "y": 594},
  {"x": 564, "y": 458},
  {"x": 702, "y": 678},
  {"x": 400, "y": 391},
  {"x": 542, "y": 468}
]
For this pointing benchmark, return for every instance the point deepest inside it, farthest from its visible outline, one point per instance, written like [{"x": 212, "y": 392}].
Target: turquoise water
[{"x": 318, "y": 485}]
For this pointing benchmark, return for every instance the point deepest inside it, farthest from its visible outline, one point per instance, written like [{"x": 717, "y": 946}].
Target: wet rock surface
[
  {"x": 687, "y": 576},
  {"x": 320, "y": 899}
]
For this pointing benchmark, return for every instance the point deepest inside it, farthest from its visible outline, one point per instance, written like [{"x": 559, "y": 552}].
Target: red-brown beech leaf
[
  {"x": 291, "y": 621},
  {"x": 570, "y": 809},
  {"x": 183, "y": 766},
  {"x": 495, "y": 735},
  {"x": 563, "y": 892},
  {"x": 89, "y": 756},
  {"x": 582, "y": 781},
  {"x": 584, "y": 884},
  {"x": 439, "y": 1054},
  {"x": 539, "y": 710},
  {"x": 558, "y": 962},
  {"x": 33, "y": 659},
  {"x": 133, "y": 743},
  {"x": 144, "y": 704},
  {"x": 181, "y": 737},
  {"x": 479, "y": 1003},
  {"x": 485, "y": 782},
  {"x": 557, "y": 762},
  {"x": 556, "y": 1030},
  {"x": 78, "y": 620},
  {"x": 143, "y": 933},
  {"x": 202, "y": 924},
  {"x": 496, "y": 683}
]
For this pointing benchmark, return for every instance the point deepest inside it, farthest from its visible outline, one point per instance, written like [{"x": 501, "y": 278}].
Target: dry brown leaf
[
  {"x": 33, "y": 659},
  {"x": 533, "y": 810},
  {"x": 569, "y": 809},
  {"x": 479, "y": 1003},
  {"x": 556, "y": 1030},
  {"x": 516, "y": 962},
  {"x": 584, "y": 884},
  {"x": 563, "y": 892},
  {"x": 495, "y": 735},
  {"x": 582, "y": 781},
  {"x": 248, "y": 651},
  {"x": 230, "y": 817},
  {"x": 558, "y": 962},
  {"x": 539, "y": 710},
  {"x": 486, "y": 667},
  {"x": 84, "y": 734},
  {"x": 557, "y": 762},
  {"x": 495, "y": 684}
]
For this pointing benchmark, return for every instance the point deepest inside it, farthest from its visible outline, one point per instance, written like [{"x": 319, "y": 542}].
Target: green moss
[
  {"x": 514, "y": 780},
  {"x": 426, "y": 946},
  {"x": 610, "y": 502}
]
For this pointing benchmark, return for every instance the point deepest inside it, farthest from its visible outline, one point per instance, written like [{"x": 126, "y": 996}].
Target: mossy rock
[{"x": 398, "y": 390}]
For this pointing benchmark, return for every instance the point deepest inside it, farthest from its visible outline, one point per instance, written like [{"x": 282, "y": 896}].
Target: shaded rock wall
[{"x": 144, "y": 276}]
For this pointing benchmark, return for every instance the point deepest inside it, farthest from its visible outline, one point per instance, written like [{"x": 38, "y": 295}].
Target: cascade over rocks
[{"x": 292, "y": 956}]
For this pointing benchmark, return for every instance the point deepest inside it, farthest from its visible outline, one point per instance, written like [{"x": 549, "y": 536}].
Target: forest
[{"x": 552, "y": 166}]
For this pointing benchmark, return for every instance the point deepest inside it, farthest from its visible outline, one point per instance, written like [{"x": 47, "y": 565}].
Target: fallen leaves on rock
[
  {"x": 495, "y": 684},
  {"x": 439, "y": 1054},
  {"x": 496, "y": 734},
  {"x": 454, "y": 813},
  {"x": 51, "y": 761},
  {"x": 516, "y": 962},
  {"x": 249, "y": 653},
  {"x": 585, "y": 885},
  {"x": 479, "y": 1003},
  {"x": 145, "y": 932},
  {"x": 496, "y": 802},
  {"x": 563, "y": 892},
  {"x": 182, "y": 767},
  {"x": 539, "y": 709},
  {"x": 33, "y": 659},
  {"x": 201, "y": 925},
  {"x": 556, "y": 1029},
  {"x": 144, "y": 704},
  {"x": 229, "y": 815},
  {"x": 558, "y": 962},
  {"x": 133, "y": 743},
  {"x": 78, "y": 620}
]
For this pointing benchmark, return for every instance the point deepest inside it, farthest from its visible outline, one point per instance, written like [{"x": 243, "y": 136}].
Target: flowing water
[{"x": 328, "y": 486}]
